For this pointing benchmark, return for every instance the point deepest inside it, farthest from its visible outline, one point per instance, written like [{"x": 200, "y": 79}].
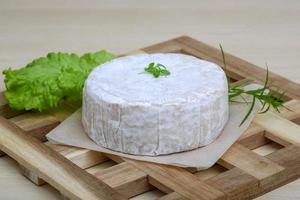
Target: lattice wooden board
[{"x": 241, "y": 173}]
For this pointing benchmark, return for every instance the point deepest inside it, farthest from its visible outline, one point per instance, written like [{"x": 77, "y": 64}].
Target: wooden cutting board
[{"x": 240, "y": 174}]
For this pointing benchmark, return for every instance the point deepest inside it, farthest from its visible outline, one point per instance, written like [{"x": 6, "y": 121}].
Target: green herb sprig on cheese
[{"x": 157, "y": 70}]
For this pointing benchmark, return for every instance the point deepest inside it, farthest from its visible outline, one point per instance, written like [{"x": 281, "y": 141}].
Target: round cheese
[{"x": 128, "y": 110}]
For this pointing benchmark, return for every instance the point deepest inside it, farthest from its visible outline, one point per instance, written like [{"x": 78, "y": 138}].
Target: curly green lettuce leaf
[{"x": 47, "y": 81}]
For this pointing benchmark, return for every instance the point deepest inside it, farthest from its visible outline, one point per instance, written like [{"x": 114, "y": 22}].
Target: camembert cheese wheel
[{"x": 128, "y": 110}]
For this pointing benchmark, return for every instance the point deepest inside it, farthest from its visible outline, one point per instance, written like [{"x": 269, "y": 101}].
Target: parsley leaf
[{"x": 157, "y": 70}]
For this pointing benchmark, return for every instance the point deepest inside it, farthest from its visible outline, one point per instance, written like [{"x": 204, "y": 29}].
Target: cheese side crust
[{"x": 127, "y": 110}]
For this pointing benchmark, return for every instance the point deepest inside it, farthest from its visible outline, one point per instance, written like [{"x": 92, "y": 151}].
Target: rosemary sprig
[
  {"x": 266, "y": 98},
  {"x": 157, "y": 70}
]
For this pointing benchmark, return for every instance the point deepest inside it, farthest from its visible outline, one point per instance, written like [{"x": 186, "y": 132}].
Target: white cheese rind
[{"x": 133, "y": 112}]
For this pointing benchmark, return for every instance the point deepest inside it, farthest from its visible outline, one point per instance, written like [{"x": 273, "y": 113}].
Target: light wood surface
[
  {"x": 281, "y": 128},
  {"x": 257, "y": 31},
  {"x": 255, "y": 165},
  {"x": 52, "y": 167}
]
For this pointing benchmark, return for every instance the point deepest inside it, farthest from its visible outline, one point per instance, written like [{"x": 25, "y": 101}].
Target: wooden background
[{"x": 257, "y": 31}]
